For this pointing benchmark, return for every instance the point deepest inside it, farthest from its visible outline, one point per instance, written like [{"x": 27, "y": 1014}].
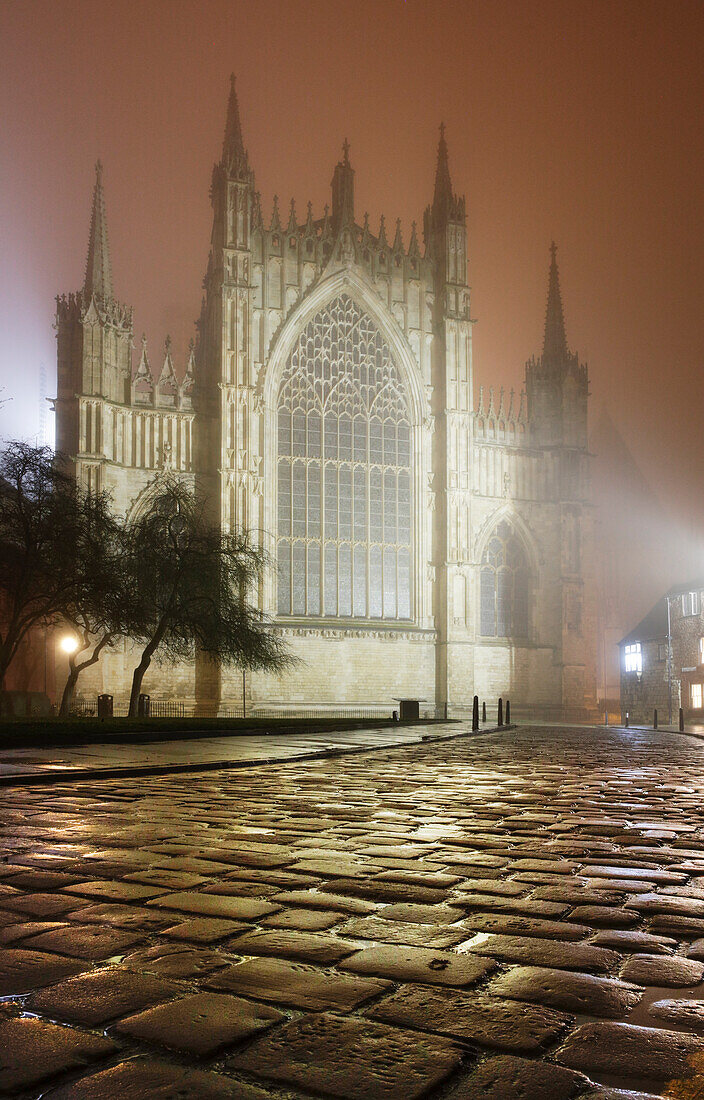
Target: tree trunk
[
  {"x": 74, "y": 672},
  {"x": 70, "y": 687},
  {"x": 137, "y": 684},
  {"x": 144, "y": 663}
]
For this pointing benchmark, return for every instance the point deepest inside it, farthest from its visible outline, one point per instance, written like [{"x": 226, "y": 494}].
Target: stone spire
[
  {"x": 555, "y": 341},
  {"x": 234, "y": 154},
  {"x": 442, "y": 196},
  {"x": 98, "y": 281}
]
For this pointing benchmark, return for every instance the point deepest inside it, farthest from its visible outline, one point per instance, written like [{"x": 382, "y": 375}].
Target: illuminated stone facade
[{"x": 428, "y": 545}]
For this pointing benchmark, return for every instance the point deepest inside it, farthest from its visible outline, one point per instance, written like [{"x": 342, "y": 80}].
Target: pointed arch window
[
  {"x": 504, "y": 595},
  {"x": 344, "y": 466}
]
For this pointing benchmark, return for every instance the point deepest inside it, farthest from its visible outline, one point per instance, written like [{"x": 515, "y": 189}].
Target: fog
[{"x": 576, "y": 122}]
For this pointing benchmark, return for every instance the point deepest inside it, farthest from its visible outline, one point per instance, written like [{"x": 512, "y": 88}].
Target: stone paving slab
[
  {"x": 97, "y": 996},
  {"x": 474, "y": 1017},
  {"x": 148, "y": 1078},
  {"x": 611, "y": 1048},
  {"x": 351, "y": 1058},
  {"x": 507, "y": 1076},
  {"x": 289, "y": 896},
  {"x": 33, "y": 1050},
  {"x": 298, "y": 984},
  {"x": 201, "y": 1023}
]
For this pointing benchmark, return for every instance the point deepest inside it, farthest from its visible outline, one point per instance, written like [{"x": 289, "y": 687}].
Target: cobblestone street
[{"x": 518, "y": 914}]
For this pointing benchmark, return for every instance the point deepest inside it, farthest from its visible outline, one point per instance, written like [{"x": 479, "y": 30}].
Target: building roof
[
  {"x": 654, "y": 625},
  {"x": 691, "y": 586}
]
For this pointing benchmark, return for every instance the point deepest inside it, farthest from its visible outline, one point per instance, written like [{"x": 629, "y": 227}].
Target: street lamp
[
  {"x": 69, "y": 644},
  {"x": 669, "y": 662}
]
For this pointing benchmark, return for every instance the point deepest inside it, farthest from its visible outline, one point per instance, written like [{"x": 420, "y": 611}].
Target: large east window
[
  {"x": 504, "y": 586},
  {"x": 344, "y": 538},
  {"x": 632, "y": 658}
]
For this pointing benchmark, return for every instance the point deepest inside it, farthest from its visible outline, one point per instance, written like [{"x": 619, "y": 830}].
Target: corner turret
[{"x": 94, "y": 336}]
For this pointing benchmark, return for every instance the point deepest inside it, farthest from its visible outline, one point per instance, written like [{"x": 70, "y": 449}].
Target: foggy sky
[{"x": 578, "y": 121}]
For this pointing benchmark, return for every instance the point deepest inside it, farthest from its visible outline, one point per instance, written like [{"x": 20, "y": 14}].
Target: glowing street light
[{"x": 69, "y": 643}]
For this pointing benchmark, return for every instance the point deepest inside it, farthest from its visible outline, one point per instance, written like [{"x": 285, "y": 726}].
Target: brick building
[
  {"x": 662, "y": 659},
  {"x": 427, "y": 544}
]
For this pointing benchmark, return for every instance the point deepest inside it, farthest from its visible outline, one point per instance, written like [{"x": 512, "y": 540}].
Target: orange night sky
[{"x": 578, "y": 121}]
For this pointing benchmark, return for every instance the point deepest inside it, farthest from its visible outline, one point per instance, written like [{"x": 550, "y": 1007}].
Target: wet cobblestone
[{"x": 515, "y": 915}]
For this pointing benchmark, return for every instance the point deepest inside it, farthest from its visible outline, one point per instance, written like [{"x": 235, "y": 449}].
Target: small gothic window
[
  {"x": 309, "y": 247},
  {"x": 398, "y": 261},
  {"x": 292, "y": 242},
  {"x": 275, "y": 241},
  {"x": 504, "y": 586},
  {"x": 382, "y": 259},
  {"x": 414, "y": 264}
]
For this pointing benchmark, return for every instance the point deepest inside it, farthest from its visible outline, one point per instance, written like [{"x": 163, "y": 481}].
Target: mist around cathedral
[{"x": 351, "y": 586}]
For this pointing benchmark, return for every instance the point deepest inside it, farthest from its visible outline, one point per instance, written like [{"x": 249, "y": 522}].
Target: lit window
[
  {"x": 690, "y": 603},
  {"x": 345, "y": 507},
  {"x": 696, "y": 696},
  {"x": 633, "y": 658}
]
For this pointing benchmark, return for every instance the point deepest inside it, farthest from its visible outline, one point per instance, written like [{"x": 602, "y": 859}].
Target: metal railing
[{"x": 167, "y": 708}]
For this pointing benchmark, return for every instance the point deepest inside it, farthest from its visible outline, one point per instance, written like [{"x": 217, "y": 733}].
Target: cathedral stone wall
[{"x": 427, "y": 544}]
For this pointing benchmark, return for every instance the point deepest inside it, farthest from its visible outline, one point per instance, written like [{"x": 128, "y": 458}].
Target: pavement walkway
[
  {"x": 207, "y": 753},
  {"x": 509, "y": 916}
]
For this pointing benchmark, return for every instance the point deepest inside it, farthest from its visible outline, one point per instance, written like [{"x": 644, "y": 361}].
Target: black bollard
[
  {"x": 508, "y": 712},
  {"x": 475, "y": 713},
  {"x": 655, "y": 718},
  {"x": 484, "y": 711},
  {"x": 500, "y": 720},
  {"x": 681, "y": 720},
  {"x": 626, "y": 723}
]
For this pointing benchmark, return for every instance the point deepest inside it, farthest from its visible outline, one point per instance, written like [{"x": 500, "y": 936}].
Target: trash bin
[
  {"x": 105, "y": 706},
  {"x": 410, "y": 710},
  {"x": 143, "y": 706}
]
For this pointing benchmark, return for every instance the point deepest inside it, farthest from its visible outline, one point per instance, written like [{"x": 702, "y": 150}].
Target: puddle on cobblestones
[{"x": 641, "y": 1016}]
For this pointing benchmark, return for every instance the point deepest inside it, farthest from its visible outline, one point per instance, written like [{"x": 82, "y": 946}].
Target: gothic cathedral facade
[{"x": 427, "y": 544}]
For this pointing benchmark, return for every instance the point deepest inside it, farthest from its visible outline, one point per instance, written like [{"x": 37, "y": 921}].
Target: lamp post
[{"x": 669, "y": 664}]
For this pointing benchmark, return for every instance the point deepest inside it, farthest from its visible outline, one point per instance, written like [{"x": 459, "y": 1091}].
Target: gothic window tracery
[
  {"x": 504, "y": 586},
  {"x": 344, "y": 544}
]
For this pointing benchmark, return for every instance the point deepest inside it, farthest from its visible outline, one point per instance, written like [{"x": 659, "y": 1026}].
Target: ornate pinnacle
[
  {"x": 275, "y": 218},
  {"x": 98, "y": 280},
  {"x": 292, "y": 224},
  {"x": 442, "y": 196},
  {"x": 398, "y": 238},
  {"x": 383, "y": 243},
  {"x": 555, "y": 340},
  {"x": 234, "y": 154}
]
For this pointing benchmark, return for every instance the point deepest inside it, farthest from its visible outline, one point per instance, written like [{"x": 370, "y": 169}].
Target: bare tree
[
  {"x": 192, "y": 585},
  {"x": 42, "y": 511},
  {"x": 99, "y": 606}
]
